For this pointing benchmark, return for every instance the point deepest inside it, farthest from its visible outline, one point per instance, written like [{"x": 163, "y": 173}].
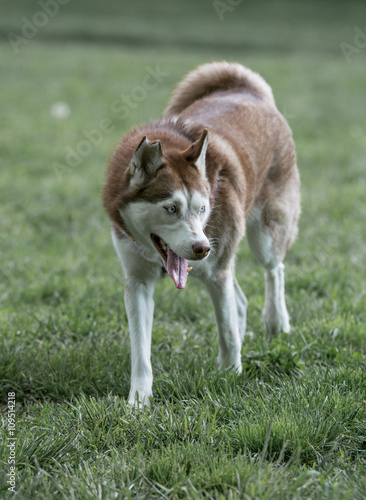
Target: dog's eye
[
  {"x": 171, "y": 209},
  {"x": 203, "y": 209}
]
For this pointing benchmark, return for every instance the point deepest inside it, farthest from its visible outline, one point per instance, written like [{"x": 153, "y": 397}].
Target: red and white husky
[{"x": 182, "y": 191}]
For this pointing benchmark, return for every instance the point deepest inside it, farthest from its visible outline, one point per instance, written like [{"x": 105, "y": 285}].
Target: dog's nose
[{"x": 201, "y": 249}]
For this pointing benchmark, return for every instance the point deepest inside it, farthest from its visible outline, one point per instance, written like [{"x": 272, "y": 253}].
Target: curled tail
[{"x": 211, "y": 77}]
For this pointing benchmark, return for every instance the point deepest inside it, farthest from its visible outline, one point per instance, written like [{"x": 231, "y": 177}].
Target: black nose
[{"x": 201, "y": 249}]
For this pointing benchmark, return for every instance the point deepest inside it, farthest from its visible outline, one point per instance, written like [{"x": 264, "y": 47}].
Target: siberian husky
[{"x": 182, "y": 191}]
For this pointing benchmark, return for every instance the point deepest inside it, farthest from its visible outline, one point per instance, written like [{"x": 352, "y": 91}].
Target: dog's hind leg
[
  {"x": 229, "y": 311},
  {"x": 241, "y": 304},
  {"x": 275, "y": 316},
  {"x": 269, "y": 235},
  {"x": 260, "y": 239},
  {"x": 271, "y": 230}
]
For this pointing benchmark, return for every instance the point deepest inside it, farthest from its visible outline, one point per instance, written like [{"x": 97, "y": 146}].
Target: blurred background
[{"x": 219, "y": 27}]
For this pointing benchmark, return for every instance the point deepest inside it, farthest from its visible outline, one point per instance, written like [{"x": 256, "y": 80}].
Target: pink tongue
[{"x": 177, "y": 268}]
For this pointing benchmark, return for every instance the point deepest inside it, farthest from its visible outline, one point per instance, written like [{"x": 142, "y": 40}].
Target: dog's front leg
[
  {"x": 140, "y": 309},
  {"x": 141, "y": 277},
  {"x": 222, "y": 291}
]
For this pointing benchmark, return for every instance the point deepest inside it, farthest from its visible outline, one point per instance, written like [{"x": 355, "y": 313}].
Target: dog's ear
[
  {"x": 145, "y": 161},
  {"x": 196, "y": 153}
]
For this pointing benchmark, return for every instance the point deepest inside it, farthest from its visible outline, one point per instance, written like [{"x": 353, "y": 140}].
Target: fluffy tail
[{"x": 215, "y": 76}]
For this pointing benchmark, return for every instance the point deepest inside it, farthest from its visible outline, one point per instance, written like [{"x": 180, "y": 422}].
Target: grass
[{"x": 293, "y": 424}]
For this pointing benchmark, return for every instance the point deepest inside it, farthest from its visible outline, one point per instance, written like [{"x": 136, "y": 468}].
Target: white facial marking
[
  {"x": 179, "y": 199},
  {"x": 198, "y": 201},
  {"x": 180, "y": 228},
  {"x": 186, "y": 192}
]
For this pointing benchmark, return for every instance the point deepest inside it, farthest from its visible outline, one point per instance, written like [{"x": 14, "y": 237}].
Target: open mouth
[
  {"x": 160, "y": 245},
  {"x": 176, "y": 266}
]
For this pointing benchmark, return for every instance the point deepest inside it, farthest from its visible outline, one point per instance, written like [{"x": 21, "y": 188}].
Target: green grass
[{"x": 293, "y": 425}]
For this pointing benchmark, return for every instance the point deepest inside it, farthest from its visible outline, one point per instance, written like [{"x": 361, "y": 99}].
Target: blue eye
[
  {"x": 203, "y": 209},
  {"x": 171, "y": 210}
]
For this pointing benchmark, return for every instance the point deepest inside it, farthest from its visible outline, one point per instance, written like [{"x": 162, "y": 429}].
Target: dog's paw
[
  {"x": 225, "y": 364},
  {"x": 137, "y": 399},
  {"x": 276, "y": 322}
]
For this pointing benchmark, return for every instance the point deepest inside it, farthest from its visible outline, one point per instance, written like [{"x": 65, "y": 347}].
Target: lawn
[{"x": 293, "y": 424}]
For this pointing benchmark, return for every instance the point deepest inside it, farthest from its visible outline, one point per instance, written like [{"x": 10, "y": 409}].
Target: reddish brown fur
[{"x": 251, "y": 153}]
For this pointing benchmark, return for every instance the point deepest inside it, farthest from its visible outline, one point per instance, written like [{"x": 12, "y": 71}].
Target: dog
[{"x": 181, "y": 193}]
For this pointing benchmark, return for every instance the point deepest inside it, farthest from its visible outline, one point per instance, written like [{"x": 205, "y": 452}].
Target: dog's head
[{"x": 170, "y": 205}]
